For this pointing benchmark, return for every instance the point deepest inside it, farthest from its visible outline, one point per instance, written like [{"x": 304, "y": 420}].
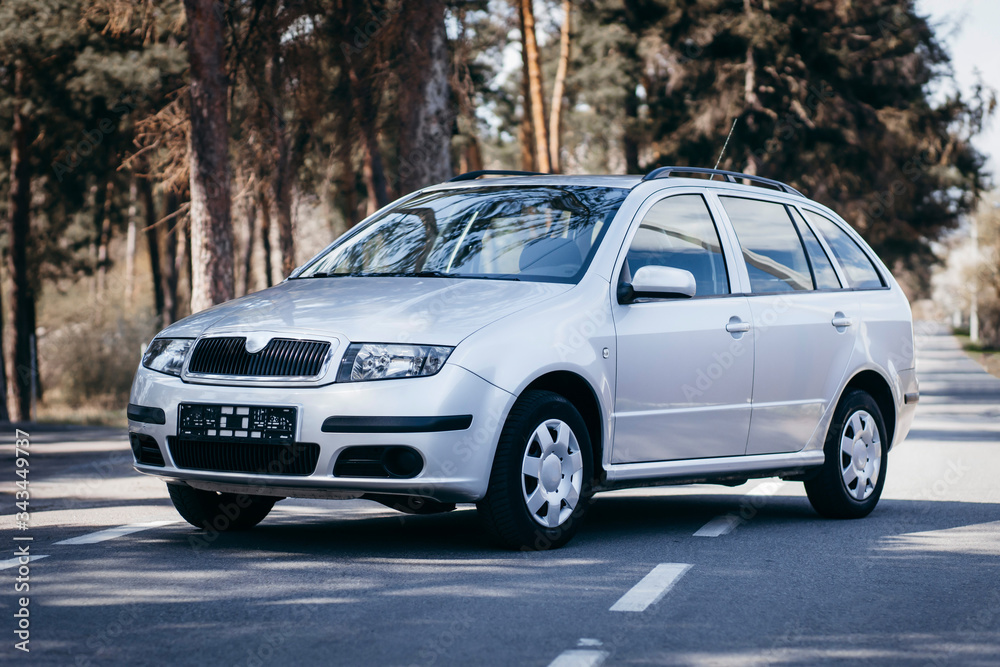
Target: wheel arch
[
  {"x": 875, "y": 385},
  {"x": 575, "y": 389}
]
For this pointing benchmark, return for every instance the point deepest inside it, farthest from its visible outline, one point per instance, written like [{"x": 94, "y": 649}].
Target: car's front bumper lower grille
[
  {"x": 280, "y": 358},
  {"x": 297, "y": 458}
]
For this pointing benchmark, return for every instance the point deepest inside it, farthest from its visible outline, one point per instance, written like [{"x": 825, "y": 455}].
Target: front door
[{"x": 685, "y": 365}]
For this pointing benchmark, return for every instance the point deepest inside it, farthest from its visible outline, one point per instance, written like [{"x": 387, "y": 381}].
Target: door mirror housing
[{"x": 658, "y": 282}]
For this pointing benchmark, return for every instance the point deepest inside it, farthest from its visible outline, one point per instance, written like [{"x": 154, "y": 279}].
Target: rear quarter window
[{"x": 859, "y": 270}]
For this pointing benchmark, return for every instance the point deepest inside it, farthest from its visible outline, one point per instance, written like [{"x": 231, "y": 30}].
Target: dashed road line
[
  {"x": 725, "y": 523},
  {"x": 14, "y": 562},
  {"x": 651, "y": 588},
  {"x": 578, "y": 658},
  {"x": 112, "y": 533},
  {"x": 720, "y": 525}
]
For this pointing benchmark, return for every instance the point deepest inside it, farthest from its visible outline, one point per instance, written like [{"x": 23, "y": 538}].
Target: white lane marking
[
  {"x": 720, "y": 525},
  {"x": 724, "y": 524},
  {"x": 112, "y": 533},
  {"x": 14, "y": 562},
  {"x": 586, "y": 641},
  {"x": 652, "y": 587},
  {"x": 577, "y": 658}
]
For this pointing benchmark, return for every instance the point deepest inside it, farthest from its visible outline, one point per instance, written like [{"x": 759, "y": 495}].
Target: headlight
[
  {"x": 377, "y": 361},
  {"x": 167, "y": 355}
]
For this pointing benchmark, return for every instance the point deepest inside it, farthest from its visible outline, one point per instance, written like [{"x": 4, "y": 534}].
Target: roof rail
[
  {"x": 473, "y": 175},
  {"x": 730, "y": 176}
]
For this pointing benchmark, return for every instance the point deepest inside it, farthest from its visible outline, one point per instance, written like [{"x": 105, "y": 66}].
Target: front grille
[
  {"x": 282, "y": 357},
  {"x": 298, "y": 458}
]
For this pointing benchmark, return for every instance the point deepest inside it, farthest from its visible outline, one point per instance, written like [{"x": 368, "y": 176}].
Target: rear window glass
[{"x": 771, "y": 247}]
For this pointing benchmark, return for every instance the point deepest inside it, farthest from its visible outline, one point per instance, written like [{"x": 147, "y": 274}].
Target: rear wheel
[
  {"x": 219, "y": 511},
  {"x": 541, "y": 474},
  {"x": 850, "y": 482}
]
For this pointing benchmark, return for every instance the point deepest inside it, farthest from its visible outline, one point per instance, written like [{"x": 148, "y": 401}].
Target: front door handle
[
  {"x": 840, "y": 320},
  {"x": 737, "y": 325}
]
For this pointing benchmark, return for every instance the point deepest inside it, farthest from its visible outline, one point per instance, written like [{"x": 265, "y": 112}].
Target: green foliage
[{"x": 832, "y": 97}]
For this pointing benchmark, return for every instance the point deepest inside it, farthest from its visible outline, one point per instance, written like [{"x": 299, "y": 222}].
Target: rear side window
[
  {"x": 823, "y": 273},
  {"x": 679, "y": 232},
  {"x": 771, "y": 247},
  {"x": 860, "y": 271}
]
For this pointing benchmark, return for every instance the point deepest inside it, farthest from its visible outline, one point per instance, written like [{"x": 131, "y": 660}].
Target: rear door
[
  {"x": 685, "y": 365},
  {"x": 805, "y": 323}
]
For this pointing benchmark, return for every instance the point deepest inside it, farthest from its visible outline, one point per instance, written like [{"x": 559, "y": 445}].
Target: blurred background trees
[{"x": 158, "y": 157}]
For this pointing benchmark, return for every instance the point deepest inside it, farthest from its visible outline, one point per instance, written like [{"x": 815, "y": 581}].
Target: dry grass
[
  {"x": 84, "y": 415},
  {"x": 987, "y": 358}
]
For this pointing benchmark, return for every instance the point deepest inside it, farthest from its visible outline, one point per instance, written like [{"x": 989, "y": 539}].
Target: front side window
[
  {"x": 545, "y": 233},
  {"x": 860, "y": 271},
  {"x": 679, "y": 232},
  {"x": 771, "y": 247}
]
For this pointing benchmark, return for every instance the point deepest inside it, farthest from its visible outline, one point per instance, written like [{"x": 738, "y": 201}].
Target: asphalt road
[{"x": 657, "y": 577}]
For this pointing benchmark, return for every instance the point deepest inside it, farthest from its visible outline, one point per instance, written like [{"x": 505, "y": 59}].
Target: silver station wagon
[{"x": 525, "y": 342}]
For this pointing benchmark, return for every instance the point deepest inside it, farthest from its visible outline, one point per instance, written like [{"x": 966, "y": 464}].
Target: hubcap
[
  {"x": 552, "y": 473},
  {"x": 860, "y": 455}
]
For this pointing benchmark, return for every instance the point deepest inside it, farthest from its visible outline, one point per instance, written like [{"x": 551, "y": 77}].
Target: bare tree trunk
[
  {"x": 211, "y": 225},
  {"x": 265, "y": 239},
  {"x": 629, "y": 140},
  {"x": 251, "y": 207},
  {"x": 130, "y": 242},
  {"x": 525, "y": 136},
  {"x": 559, "y": 90},
  {"x": 470, "y": 158},
  {"x": 425, "y": 108},
  {"x": 530, "y": 46},
  {"x": 153, "y": 245},
  {"x": 170, "y": 262},
  {"x": 372, "y": 170},
  {"x": 104, "y": 238},
  {"x": 22, "y": 299},
  {"x": 281, "y": 153}
]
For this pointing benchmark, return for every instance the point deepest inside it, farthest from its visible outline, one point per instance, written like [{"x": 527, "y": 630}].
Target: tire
[
  {"x": 544, "y": 427},
  {"x": 857, "y": 437},
  {"x": 219, "y": 511}
]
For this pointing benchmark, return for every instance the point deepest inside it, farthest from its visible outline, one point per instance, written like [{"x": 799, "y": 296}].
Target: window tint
[
  {"x": 823, "y": 273},
  {"x": 771, "y": 247},
  {"x": 678, "y": 232},
  {"x": 861, "y": 274}
]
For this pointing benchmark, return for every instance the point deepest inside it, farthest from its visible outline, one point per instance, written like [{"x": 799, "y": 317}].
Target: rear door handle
[
  {"x": 840, "y": 320},
  {"x": 737, "y": 326}
]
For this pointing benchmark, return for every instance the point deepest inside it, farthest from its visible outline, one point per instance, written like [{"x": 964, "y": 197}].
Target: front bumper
[{"x": 456, "y": 466}]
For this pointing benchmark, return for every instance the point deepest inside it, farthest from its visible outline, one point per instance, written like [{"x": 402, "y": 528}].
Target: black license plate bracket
[{"x": 237, "y": 423}]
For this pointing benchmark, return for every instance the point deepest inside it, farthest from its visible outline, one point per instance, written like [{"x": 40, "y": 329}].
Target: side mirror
[{"x": 658, "y": 282}]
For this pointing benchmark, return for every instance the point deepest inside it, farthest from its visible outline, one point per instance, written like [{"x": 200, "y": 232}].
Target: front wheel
[
  {"x": 850, "y": 482},
  {"x": 219, "y": 511},
  {"x": 541, "y": 474}
]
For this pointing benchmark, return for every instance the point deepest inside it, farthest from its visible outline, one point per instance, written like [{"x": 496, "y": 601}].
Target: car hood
[{"x": 433, "y": 311}]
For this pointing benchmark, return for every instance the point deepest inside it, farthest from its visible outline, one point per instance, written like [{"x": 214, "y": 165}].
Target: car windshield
[{"x": 545, "y": 233}]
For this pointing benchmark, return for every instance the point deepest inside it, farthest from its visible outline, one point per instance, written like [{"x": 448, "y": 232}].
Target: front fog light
[{"x": 377, "y": 361}]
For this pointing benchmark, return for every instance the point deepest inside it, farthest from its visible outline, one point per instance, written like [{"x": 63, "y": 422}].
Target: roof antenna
[{"x": 735, "y": 120}]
